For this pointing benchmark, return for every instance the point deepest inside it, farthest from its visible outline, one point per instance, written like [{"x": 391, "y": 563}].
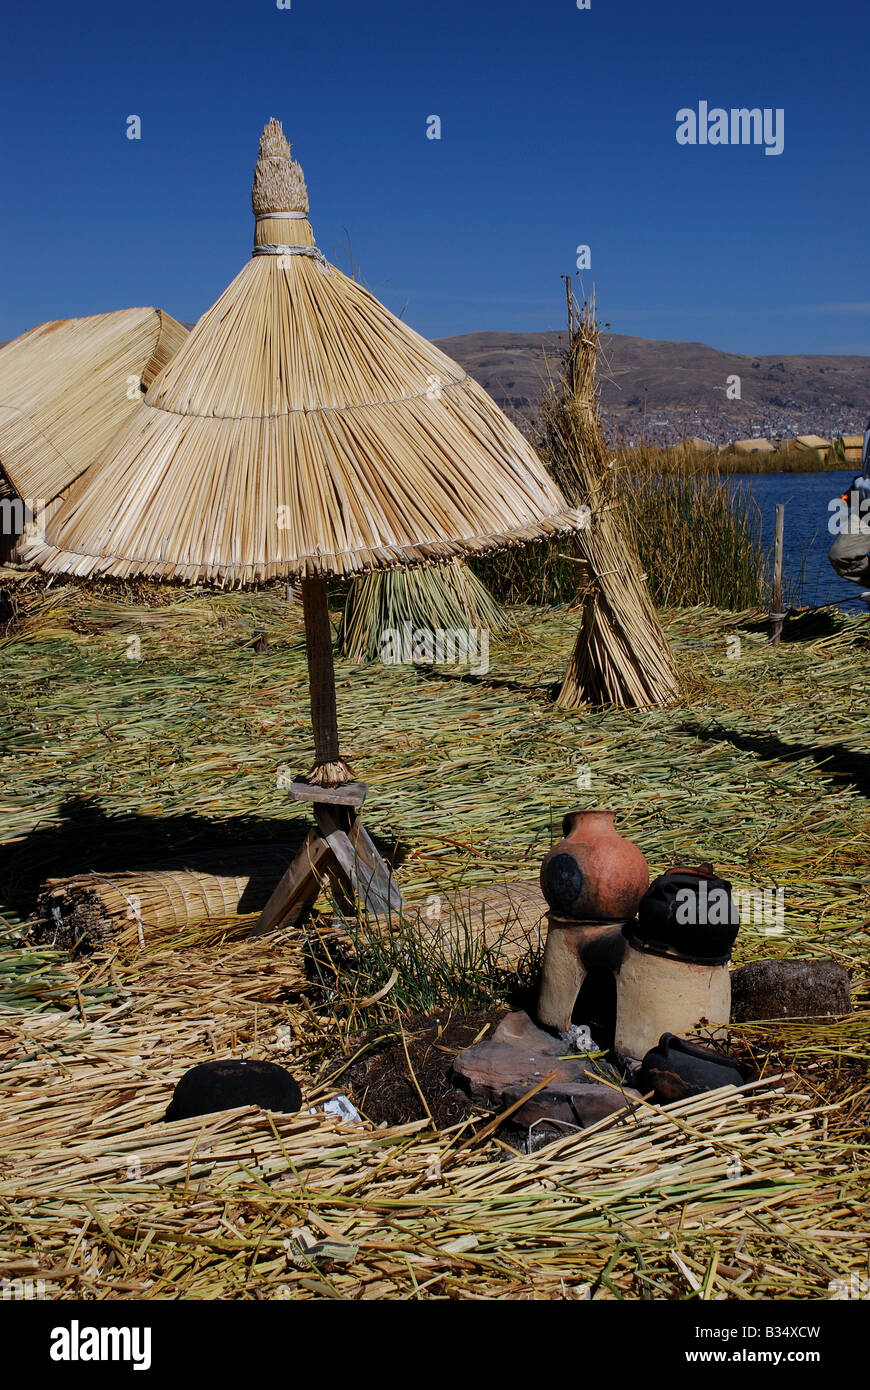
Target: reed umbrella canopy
[{"x": 302, "y": 431}]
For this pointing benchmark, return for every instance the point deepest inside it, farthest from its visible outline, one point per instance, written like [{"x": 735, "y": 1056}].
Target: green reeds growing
[
  {"x": 419, "y": 969},
  {"x": 698, "y": 535},
  {"x": 544, "y": 574}
]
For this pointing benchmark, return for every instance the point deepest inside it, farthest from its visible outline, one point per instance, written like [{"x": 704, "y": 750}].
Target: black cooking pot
[
  {"x": 690, "y": 911},
  {"x": 675, "y": 1069}
]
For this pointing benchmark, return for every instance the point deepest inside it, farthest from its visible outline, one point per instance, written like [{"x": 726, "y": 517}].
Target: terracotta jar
[{"x": 593, "y": 873}]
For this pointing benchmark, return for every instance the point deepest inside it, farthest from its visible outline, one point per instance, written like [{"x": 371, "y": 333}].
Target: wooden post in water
[{"x": 777, "y": 616}]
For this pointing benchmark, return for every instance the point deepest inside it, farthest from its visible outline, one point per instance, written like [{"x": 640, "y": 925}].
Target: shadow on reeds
[
  {"x": 839, "y": 763},
  {"x": 807, "y": 625},
  {"x": 491, "y": 682},
  {"x": 87, "y": 838}
]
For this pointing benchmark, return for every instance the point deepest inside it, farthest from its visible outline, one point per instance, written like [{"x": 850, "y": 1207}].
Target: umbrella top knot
[{"x": 279, "y": 184}]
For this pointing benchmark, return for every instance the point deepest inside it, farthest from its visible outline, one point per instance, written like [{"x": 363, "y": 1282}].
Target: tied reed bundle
[
  {"x": 94, "y": 909},
  {"x": 446, "y": 597},
  {"x": 621, "y": 656},
  {"x": 279, "y": 184}
]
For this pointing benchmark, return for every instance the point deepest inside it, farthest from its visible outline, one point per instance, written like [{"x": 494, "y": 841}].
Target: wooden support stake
[
  {"x": 383, "y": 880},
  {"x": 340, "y": 847},
  {"x": 777, "y": 617},
  {"x": 360, "y": 863},
  {"x": 330, "y": 769},
  {"x": 297, "y": 889},
  {"x": 321, "y": 670}
]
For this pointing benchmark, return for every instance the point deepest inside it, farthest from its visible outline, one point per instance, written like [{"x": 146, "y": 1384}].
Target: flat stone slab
[
  {"x": 789, "y": 989},
  {"x": 498, "y": 1072}
]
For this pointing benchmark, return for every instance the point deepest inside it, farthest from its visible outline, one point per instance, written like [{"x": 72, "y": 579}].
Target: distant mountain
[
  {"x": 681, "y": 385},
  {"x": 666, "y": 390}
]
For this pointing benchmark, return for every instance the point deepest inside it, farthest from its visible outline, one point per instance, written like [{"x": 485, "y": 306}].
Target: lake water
[{"x": 806, "y": 537}]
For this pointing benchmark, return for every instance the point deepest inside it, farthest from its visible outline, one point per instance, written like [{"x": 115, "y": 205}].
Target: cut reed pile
[
  {"x": 38, "y": 978},
  {"x": 67, "y": 387},
  {"x": 621, "y": 656},
  {"x": 109, "y": 762},
  {"x": 732, "y": 1194}
]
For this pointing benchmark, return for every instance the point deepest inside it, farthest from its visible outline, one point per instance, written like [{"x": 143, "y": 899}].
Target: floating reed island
[{"x": 152, "y": 737}]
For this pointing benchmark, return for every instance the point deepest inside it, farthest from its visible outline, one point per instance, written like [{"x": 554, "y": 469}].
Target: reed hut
[
  {"x": 302, "y": 431},
  {"x": 66, "y": 388},
  {"x": 813, "y": 443},
  {"x": 853, "y": 447},
  {"x": 753, "y": 446}
]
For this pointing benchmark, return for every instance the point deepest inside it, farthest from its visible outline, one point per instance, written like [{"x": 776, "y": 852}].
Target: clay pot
[
  {"x": 658, "y": 994},
  {"x": 675, "y": 1069},
  {"x": 572, "y": 952},
  {"x": 593, "y": 873},
  {"x": 690, "y": 911}
]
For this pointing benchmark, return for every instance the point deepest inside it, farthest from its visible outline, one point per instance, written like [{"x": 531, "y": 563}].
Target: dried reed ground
[{"x": 763, "y": 769}]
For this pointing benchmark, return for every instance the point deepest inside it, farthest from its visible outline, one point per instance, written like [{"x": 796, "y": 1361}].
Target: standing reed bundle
[
  {"x": 621, "y": 656},
  {"x": 447, "y": 597}
]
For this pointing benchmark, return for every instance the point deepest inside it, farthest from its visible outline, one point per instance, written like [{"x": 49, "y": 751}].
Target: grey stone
[{"x": 789, "y": 989}]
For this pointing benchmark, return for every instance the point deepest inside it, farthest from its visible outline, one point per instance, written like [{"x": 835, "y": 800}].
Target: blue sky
[{"x": 558, "y": 128}]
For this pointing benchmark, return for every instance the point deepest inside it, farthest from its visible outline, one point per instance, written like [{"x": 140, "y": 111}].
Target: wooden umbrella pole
[
  {"x": 777, "y": 617},
  {"x": 329, "y": 769}
]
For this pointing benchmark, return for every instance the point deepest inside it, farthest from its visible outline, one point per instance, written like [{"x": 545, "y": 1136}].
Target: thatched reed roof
[
  {"x": 302, "y": 429},
  {"x": 753, "y": 446},
  {"x": 67, "y": 387}
]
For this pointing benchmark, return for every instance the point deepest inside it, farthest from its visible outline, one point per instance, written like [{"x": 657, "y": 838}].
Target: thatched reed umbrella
[
  {"x": 302, "y": 431},
  {"x": 66, "y": 388}
]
